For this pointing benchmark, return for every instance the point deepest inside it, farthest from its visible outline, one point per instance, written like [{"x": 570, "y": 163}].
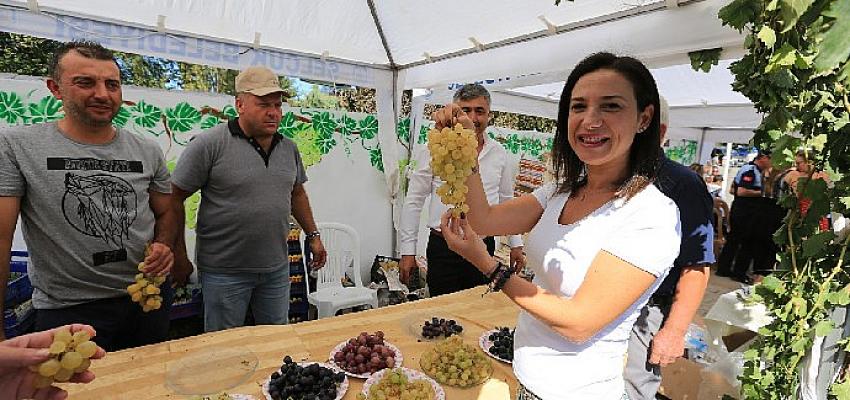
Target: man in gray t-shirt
[
  {"x": 251, "y": 178},
  {"x": 90, "y": 197}
]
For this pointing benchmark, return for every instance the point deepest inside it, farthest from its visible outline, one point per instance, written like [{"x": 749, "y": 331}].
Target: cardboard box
[{"x": 688, "y": 380}]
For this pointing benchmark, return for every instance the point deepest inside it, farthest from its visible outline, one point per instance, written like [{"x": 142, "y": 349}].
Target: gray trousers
[{"x": 642, "y": 378}]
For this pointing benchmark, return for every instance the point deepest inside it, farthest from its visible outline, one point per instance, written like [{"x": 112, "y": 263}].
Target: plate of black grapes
[
  {"x": 498, "y": 343},
  {"x": 433, "y": 328},
  {"x": 305, "y": 380}
]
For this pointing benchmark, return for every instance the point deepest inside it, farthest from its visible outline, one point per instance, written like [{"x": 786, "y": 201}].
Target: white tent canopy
[{"x": 518, "y": 49}]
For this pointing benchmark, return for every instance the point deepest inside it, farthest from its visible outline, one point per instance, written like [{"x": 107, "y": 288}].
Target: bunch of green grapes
[
  {"x": 69, "y": 355},
  {"x": 146, "y": 289},
  {"x": 455, "y": 363},
  {"x": 394, "y": 385},
  {"x": 453, "y": 155}
]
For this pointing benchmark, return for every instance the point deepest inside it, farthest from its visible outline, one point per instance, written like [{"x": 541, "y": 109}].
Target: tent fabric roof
[
  {"x": 347, "y": 29},
  {"x": 521, "y": 61}
]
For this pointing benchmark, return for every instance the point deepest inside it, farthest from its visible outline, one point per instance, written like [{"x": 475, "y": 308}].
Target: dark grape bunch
[
  {"x": 503, "y": 343},
  {"x": 437, "y": 327},
  {"x": 365, "y": 354},
  {"x": 313, "y": 382}
]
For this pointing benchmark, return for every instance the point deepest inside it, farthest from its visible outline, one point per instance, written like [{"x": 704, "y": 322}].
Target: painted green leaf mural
[
  {"x": 210, "y": 121},
  {"x": 288, "y": 125},
  {"x": 145, "y": 115},
  {"x": 375, "y": 157},
  {"x": 46, "y": 110},
  {"x": 324, "y": 124},
  {"x": 368, "y": 127},
  {"x": 347, "y": 125},
  {"x": 512, "y": 143},
  {"x": 423, "y": 135},
  {"x": 120, "y": 120},
  {"x": 230, "y": 111},
  {"x": 182, "y": 117},
  {"x": 324, "y": 140},
  {"x": 403, "y": 131},
  {"x": 11, "y": 107}
]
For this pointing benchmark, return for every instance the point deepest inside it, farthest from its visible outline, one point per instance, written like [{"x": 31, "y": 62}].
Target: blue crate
[
  {"x": 19, "y": 289},
  {"x": 191, "y": 308},
  {"x": 19, "y": 320}
]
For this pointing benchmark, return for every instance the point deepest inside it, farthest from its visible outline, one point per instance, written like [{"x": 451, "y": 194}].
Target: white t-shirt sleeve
[
  {"x": 650, "y": 235},
  {"x": 544, "y": 193}
]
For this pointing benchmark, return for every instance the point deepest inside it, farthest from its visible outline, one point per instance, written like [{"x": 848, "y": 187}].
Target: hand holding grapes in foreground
[
  {"x": 450, "y": 115},
  {"x": 158, "y": 260},
  {"x": 17, "y": 355}
]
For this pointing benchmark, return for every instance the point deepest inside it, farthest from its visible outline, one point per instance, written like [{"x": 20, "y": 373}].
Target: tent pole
[{"x": 726, "y": 164}]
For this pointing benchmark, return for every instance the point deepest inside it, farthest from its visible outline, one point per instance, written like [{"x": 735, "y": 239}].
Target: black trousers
[
  {"x": 447, "y": 271},
  {"x": 120, "y": 323},
  {"x": 739, "y": 245}
]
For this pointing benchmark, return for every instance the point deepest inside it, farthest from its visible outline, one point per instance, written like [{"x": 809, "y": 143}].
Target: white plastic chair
[{"x": 343, "y": 246}]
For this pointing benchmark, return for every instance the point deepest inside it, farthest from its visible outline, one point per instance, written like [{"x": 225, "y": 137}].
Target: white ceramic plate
[
  {"x": 484, "y": 342},
  {"x": 398, "y": 359},
  {"x": 341, "y": 389},
  {"x": 412, "y": 374}
]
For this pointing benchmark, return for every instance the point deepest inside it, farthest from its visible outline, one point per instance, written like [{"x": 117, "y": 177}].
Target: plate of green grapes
[{"x": 401, "y": 383}]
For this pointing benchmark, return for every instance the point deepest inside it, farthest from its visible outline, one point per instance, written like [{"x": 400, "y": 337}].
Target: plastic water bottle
[{"x": 695, "y": 343}]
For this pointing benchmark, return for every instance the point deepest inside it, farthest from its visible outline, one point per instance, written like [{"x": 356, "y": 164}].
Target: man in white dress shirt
[{"x": 447, "y": 271}]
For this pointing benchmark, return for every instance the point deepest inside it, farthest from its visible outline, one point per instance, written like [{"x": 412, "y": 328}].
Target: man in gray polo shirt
[{"x": 250, "y": 178}]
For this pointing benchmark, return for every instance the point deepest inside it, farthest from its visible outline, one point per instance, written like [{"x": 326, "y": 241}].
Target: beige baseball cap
[{"x": 258, "y": 81}]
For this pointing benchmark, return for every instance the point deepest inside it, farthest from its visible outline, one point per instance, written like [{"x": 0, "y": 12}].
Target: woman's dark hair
[{"x": 644, "y": 154}]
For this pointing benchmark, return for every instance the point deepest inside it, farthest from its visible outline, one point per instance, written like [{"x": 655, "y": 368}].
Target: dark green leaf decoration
[
  {"x": 120, "y": 120},
  {"x": 375, "y": 157},
  {"x": 183, "y": 117},
  {"x": 288, "y": 125},
  {"x": 368, "y": 127},
  {"x": 703, "y": 60},
  {"x": 403, "y": 131},
  {"x": 210, "y": 121},
  {"x": 739, "y": 13},
  {"x": 46, "y": 110},
  {"x": 423, "y": 135},
  {"x": 145, "y": 115},
  {"x": 347, "y": 125},
  {"x": 324, "y": 140},
  {"x": 230, "y": 111},
  {"x": 835, "y": 47},
  {"x": 11, "y": 107},
  {"x": 324, "y": 125},
  {"x": 512, "y": 143}
]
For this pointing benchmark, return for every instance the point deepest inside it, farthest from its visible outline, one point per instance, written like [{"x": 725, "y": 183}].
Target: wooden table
[{"x": 140, "y": 373}]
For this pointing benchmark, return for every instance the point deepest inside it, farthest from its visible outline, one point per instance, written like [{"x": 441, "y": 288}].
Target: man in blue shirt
[
  {"x": 658, "y": 335},
  {"x": 748, "y": 188}
]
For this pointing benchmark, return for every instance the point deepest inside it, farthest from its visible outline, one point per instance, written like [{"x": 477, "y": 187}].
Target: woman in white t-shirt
[{"x": 602, "y": 237}]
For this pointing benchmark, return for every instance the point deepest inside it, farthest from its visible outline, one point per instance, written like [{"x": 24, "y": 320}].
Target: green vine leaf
[
  {"x": 324, "y": 139},
  {"x": 288, "y": 125},
  {"x": 835, "y": 46},
  {"x": 146, "y": 115},
  {"x": 817, "y": 243},
  {"x": 403, "y": 131},
  {"x": 11, "y": 107},
  {"x": 791, "y": 11},
  {"x": 784, "y": 57},
  {"x": 767, "y": 36},
  {"x": 376, "y": 158},
  {"x": 46, "y": 110},
  {"x": 841, "y": 391},
  {"x": 209, "y": 121},
  {"x": 739, "y": 13},
  {"x": 324, "y": 125},
  {"x": 182, "y": 117},
  {"x": 122, "y": 117},
  {"x": 423, "y": 135},
  {"x": 230, "y": 111},
  {"x": 368, "y": 127},
  {"x": 823, "y": 328}
]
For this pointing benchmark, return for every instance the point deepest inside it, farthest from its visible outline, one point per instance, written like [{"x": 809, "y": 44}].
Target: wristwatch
[{"x": 311, "y": 235}]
